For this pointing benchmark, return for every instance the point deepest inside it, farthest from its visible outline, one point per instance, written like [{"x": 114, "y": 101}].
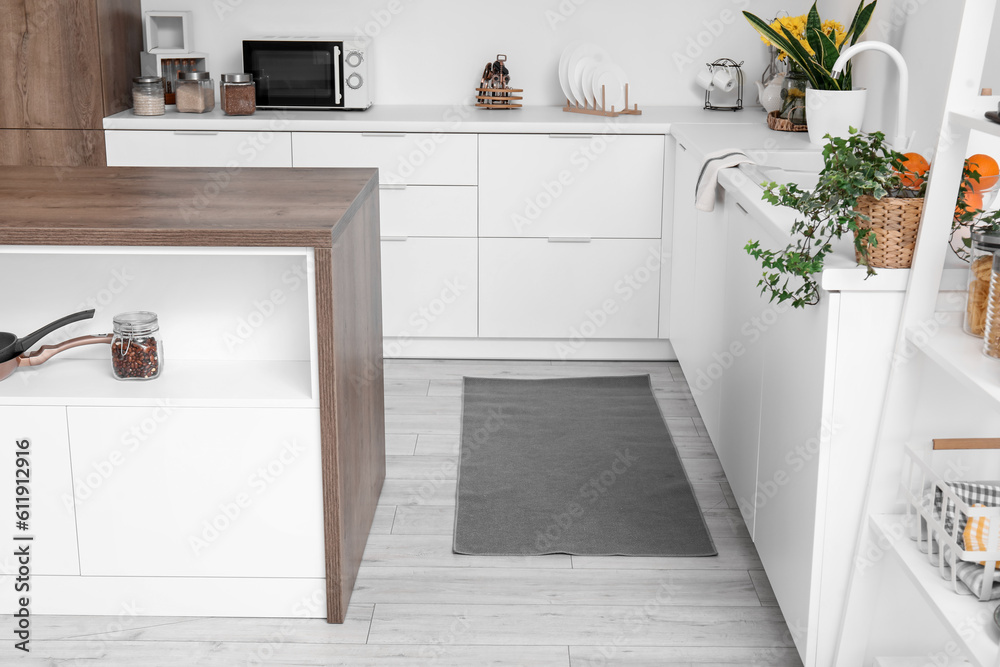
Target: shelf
[
  {"x": 225, "y": 384},
  {"x": 973, "y": 119},
  {"x": 966, "y": 619},
  {"x": 962, "y": 357}
]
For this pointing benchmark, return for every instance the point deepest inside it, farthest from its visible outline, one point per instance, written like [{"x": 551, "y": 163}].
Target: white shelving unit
[
  {"x": 962, "y": 615},
  {"x": 941, "y": 386}
]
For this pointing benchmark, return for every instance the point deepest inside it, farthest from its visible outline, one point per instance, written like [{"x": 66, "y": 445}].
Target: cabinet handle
[
  {"x": 383, "y": 134},
  {"x": 391, "y": 186},
  {"x": 195, "y": 133},
  {"x": 681, "y": 146},
  {"x": 395, "y": 238},
  {"x": 740, "y": 206},
  {"x": 569, "y": 239},
  {"x": 571, "y": 136}
]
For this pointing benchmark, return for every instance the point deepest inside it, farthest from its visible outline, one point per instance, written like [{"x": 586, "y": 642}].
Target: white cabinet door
[
  {"x": 49, "y": 487},
  {"x": 534, "y": 288},
  {"x": 601, "y": 186},
  {"x": 736, "y": 358},
  {"x": 415, "y": 159},
  {"x": 435, "y": 210},
  {"x": 231, "y": 150},
  {"x": 430, "y": 288},
  {"x": 685, "y": 318},
  {"x": 189, "y": 492}
]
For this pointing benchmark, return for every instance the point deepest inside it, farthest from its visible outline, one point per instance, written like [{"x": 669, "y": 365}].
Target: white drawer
[
  {"x": 430, "y": 288},
  {"x": 163, "y": 148},
  {"x": 428, "y": 210},
  {"x": 415, "y": 159},
  {"x": 602, "y": 186},
  {"x": 533, "y": 288}
]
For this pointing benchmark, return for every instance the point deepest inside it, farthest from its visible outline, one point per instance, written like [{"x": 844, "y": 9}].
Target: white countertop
[{"x": 380, "y": 118}]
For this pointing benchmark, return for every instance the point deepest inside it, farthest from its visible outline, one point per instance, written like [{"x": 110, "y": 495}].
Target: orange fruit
[
  {"x": 914, "y": 171},
  {"x": 989, "y": 171},
  {"x": 973, "y": 202}
]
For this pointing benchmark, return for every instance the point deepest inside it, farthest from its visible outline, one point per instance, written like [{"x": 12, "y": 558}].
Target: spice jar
[
  {"x": 136, "y": 348},
  {"x": 147, "y": 96},
  {"x": 238, "y": 94},
  {"x": 195, "y": 92},
  {"x": 980, "y": 270}
]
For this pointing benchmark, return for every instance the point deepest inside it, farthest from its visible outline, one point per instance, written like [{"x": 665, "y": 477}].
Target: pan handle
[
  {"x": 46, "y": 352},
  {"x": 25, "y": 343}
]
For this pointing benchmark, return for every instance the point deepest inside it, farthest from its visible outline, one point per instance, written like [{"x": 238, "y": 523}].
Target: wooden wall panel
[
  {"x": 120, "y": 26},
  {"x": 52, "y": 148},
  {"x": 50, "y": 65}
]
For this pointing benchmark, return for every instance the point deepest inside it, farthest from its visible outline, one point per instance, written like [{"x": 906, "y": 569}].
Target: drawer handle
[
  {"x": 569, "y": 239},
  {"x": 195, "y": 133},
  {"x": 383, "y": 134},
  {"x": 571, "y": 136},
  {"x": 681, "y": 146},
  {"x": 392, "y": 186},
  {"x": 740, "y": 206},
  {"x": 395, "y": 238}
]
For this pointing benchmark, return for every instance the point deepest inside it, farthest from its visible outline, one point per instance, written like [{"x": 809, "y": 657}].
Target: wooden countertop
[{"x": 138, "y": 206}]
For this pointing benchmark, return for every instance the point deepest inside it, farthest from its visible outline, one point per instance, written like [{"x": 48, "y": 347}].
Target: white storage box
[{"x": 167, "y": 32}]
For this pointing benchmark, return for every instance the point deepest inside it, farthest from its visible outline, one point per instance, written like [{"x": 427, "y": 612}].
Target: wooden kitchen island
[{"x": 244, "y": 480}]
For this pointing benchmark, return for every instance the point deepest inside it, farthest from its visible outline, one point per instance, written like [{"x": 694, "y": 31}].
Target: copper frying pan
[{"x": 46, "y": 352}]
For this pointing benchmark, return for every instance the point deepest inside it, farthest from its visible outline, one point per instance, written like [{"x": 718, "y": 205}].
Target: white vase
[{"x": 833, "y": 112}]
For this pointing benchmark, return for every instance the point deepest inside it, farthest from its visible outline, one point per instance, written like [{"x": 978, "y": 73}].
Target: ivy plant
[{"x": 856, "y": 165}]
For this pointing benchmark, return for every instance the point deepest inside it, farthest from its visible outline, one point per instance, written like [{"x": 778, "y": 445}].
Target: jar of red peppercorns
[{"x": 136, "y": 348}]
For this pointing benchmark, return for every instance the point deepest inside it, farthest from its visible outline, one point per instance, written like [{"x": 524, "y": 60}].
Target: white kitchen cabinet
[
  {"x": 413, "y": 159},
  {"x": 430, "y": 287},
  {"x": 439, "y": 210},
  {"x": 160, "y": 507},
  {"x": 737, "y": 355},
  {"x": 537, "y": 288},
  {"x": 198, "y": 148},
  {"x": 49, "y": 485},
  {"x": 598, "y": 186}
]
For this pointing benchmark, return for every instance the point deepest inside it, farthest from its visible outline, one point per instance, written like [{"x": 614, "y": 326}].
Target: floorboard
[{"x": 417, "y": 603}]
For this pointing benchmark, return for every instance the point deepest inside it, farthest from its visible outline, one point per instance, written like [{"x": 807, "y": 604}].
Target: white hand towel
[{"x": 708, "y": 179}]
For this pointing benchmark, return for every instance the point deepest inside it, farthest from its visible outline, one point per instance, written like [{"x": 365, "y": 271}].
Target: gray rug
[{"x": 581, "y": 466}]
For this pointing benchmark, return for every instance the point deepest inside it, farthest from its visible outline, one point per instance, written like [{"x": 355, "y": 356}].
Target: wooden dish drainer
[{"x": 602, "y": 110}]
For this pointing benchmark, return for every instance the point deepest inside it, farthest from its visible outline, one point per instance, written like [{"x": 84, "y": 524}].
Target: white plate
[
  {"x": 578, "y": 62},
  {"x": 564, "y": 69},
  {"x": 587, "y": 80},
  {"x": 613, "y": 78}
]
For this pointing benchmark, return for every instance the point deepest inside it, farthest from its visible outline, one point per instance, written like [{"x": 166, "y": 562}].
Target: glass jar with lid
[
  {"x": 991, "y": 336},
  {"x": 980, "y": 270},
  {"x": 136, "y": 347},
  {"x": 238, "y": 94},
  {"x": 147, "y": 96},
  {"x": 195, "y": 92}
]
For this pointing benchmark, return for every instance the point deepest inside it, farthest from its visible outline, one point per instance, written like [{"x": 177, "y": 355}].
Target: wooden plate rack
[{"x": 602, "y": 110}]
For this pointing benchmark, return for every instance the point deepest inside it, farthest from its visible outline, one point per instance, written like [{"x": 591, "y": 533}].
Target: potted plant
[
  {"x": 812, "y": 46},
  {"x": 865, "y": 189}
]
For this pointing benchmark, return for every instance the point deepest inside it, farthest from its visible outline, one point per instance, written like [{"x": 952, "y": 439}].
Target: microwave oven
[{"x": 310, "y": 72}]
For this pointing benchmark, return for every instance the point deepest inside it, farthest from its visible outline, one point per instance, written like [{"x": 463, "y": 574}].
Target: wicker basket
[
  {"x": 775, "y": 122},
  {"x": 895, "y": 222}
]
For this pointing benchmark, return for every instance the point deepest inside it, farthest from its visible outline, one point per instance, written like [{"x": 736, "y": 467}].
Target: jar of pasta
[
  {"x": 980, "y": 270},
  {"x": 991, "y": 337}
]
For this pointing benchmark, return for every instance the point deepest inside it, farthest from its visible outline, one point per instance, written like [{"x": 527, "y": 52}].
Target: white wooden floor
[{"x": 417, "y": 603}]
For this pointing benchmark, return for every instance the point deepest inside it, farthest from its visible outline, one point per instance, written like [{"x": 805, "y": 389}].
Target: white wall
[
  {"x": 925, "y": 32},
  {"x": 433, "y": 51}
]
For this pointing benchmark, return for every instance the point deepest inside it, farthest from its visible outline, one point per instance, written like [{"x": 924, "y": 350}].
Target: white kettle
[{"x": 770, "y": 94}]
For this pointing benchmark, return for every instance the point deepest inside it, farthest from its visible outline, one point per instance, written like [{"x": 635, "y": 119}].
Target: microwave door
[{"x": 338, "y": 93}]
